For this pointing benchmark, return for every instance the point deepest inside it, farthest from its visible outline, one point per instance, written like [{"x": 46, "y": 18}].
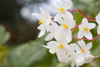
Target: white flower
[
  {"x": 98, "y": 21},
  {"x": 83, "y": 54},
  {"x": 44, "y": 20},
  {"x": 57, "y": 46},
  {"x": 62, "y": 9},
  {"x": 66, "y": 26},
  {"x": 84, "y": 29},
  {"x": 52, "y": 29}
]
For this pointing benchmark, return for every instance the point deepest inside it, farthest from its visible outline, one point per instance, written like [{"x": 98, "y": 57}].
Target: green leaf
[
  {"x": 26, "y": 55},
  {"x": 4, "y": 35}
]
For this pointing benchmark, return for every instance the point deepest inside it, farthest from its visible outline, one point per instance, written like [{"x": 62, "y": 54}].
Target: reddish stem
[
  {"x": 76, "y": 27},
  {"x": 95, "y": 38},
  {"x": 91, "y": 20},
  {"x": 96, "y": 56}
]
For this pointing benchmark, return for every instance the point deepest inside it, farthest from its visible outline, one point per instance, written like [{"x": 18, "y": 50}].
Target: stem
[
  {"x": 76, "y": 27},
  {"x": 91, "y": 20},
  {"x": 96, "y": 56},
  {"x": 95, "y": 38},
  {"x": 75, "y": 37}
]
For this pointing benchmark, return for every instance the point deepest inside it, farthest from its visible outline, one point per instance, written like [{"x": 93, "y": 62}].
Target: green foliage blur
[{"x": 33, "y": 54}]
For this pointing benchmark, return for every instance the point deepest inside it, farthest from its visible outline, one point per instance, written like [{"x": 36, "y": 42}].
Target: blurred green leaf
[
  {"x": 4, "y": 35},
  {"x": 26, "y": 55}
]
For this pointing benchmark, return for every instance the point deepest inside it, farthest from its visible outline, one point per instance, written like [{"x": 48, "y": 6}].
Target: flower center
[
  {"x": 62, "y": 9},
  {"x": 65, "y": 26},
  {"x": 86, "y": 29},
  {"x": 41, "y": 22},
  {"x": 82, "y": 50},
  {"x": 61, "y": 46}
]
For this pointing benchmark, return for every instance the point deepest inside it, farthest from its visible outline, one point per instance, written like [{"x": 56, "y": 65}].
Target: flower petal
[
  {"x": 49, "y": 28},
  {"x": 49, "y": 37},
  {"x": 82, "y": 44},
  {"x": 89, "y": 45},
  {"x": 55, "y": 8},
  {"x": 88, "y": 35},
  {"x": 69, "y": 14},
  {"x": 52, "y": 51},
  {"x": 67, "y": 4},
  {"x": 98, "y": 30},
  {"x": 52, "y": 44},
  {"x": 80, "y": 58},
  {"x": 57, "y": 17},
  {"x": 98, "y": 18},
  {"x": 89, "y": 59},
  {"x": 68, "y": 35},
  {"x": 45, "y": 46},
  {"x": 84, "y": 22},
  {"x": 72, "y": 24},
  {"x": 80, "y": 34},
  {"x": 42, "y": 26},
  {"x": 75, "y": 47},
  {"x": 59, "y": 4},
  {"x": 72, "y": 64},
  {"x": 91, "y": 25},
  {"x": 38, "y": 16},
  {"x": 42, "y": 32}
]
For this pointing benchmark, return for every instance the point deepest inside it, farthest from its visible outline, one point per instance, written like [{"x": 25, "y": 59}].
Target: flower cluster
[{"x": 61, "y": 27}]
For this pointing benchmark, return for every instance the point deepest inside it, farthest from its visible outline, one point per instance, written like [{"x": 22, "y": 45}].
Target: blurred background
[{"x": 19, "y": 42}]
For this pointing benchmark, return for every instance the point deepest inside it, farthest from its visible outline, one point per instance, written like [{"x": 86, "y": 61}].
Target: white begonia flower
[
  {"x": 52, "y": 29},
  {"x": 66, "y": 25},
  {"x": 84, "y": 29},
  {"x": 62, "y": 9},
  {"x": 98, "y": 21},
  {"x": 57, "y": 46},
  {"x": 44, "y": 20},
  {"x": 83, "y": 54}
]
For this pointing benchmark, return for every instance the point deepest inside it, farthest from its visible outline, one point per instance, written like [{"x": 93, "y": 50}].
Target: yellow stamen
[
  {"x": 62, "y": 9},
  {"x": 65, "y": 26},
  {"x": 82, "y": 50},
  {"x": 61, "y": 46},
  {"x": 86, "y": 29},
  {"x": 41, "y": 22}
]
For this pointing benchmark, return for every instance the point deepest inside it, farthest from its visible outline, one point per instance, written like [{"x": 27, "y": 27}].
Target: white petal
[
  {"x": 98, "y": 18},
  {"x": 98, "y": 30},
  {"x": 55, "y": 26},
  {"x": 55, "y": 8},
  {"x": 52, "y": 44},
  {"x": 42, "y": 32},
  {"x": 38, "y": 16},
  {"x": 49, "y": 28},
  {"x": 80, "y": 59},
  {"x": 84, "y": 22},
  {"x": 52, "y": 51},
  {"x": 67, "y": 4},
  {"x": 49, "y": 37},
  {"x": 88, "y": 35},
  {"x": 57, "y": 17},
  {"x": 69, "y": 14},
  {"x": 72, "y": 24},
  {"x": 72, "y": 64},
  {"x": 89, "y": 45},
  {"x": 59, "y": 4},
  {"x": 42, "y": 26},
  {"x": 45, "y": 46},
  {"x": 89, "y": 59},
  {"x": 61, "y": 21},
  {"x": 68, "y": 35},
  {"x": 91, "y": 25},
  {"x": 80, "y": 34},
  {"x": 75, "y": 47},
  {"x": 82, "y": 44}
]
